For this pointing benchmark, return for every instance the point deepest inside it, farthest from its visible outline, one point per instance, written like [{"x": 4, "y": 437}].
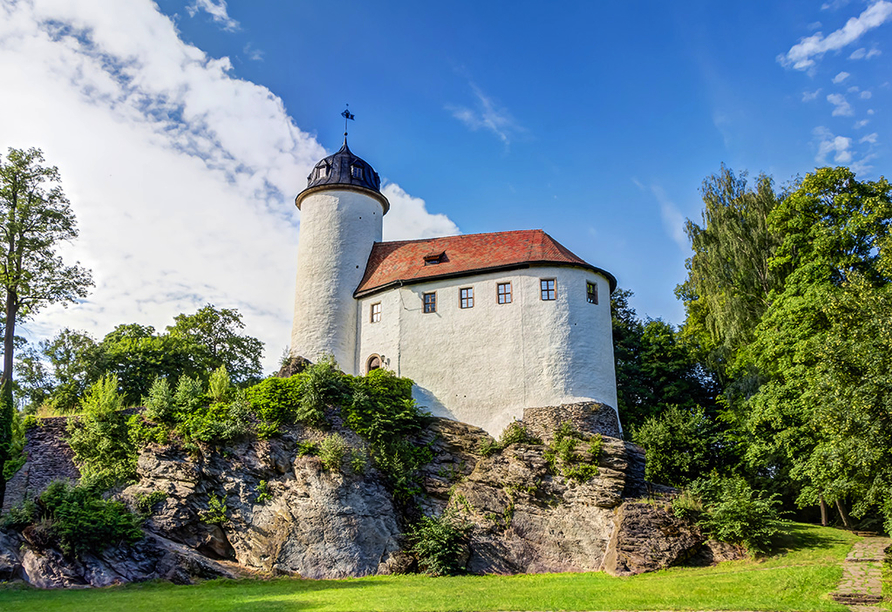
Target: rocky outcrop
[
  {"x": 315, "y": 522},
  {"x": 152, "y": 558},
  {"x": 283, "y": 512},
  {"x": 49, "y": 458}
]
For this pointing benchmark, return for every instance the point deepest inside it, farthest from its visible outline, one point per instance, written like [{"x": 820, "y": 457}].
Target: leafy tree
[
  {"x": 682, "y": 445},
  {"x": 137, "y": 355},
  {"x": 808, "y": 345},
  {"x": 729, "y": 277},
  {"x": 100, "y": 437},
  {"x": 76, "y": 362},
  {"x": 655, "y": 367},
  {"x": 215, "y": 331},
  {"x": 35, "y": 217}
]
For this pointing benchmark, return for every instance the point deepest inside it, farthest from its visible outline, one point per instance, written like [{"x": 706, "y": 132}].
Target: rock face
[
  {"x": 49, "y": 459},
  {"x": 286, "y": 513},
  {"x": 316, "y": 523},
  {"x": 152, "y": 558}
]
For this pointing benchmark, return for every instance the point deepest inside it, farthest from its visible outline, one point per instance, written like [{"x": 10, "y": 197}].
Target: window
[
  {"x": 356, "y": 171},
  {"x": 373, "y": 363},
  {"x": 503, "y": 293},
  {"x": 430, "y": 302},
  {"x": 376, "y": 312},
  {"x": 591, "y": 292},
  {"x": 466, "y": 297},
  {"x": 322, "y": 171},
  {"x": 432, "y": 259},
  {"x": 547, "y": 286}
]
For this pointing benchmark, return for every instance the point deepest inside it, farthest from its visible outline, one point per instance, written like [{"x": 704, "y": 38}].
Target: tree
[
  {"x": 655, "y": 368},
  {"x": 215, "y": 332},
  {"x": 821, "y": 348},
  {"x": 35, "y": 216},
  {"x": 729, "y": 278}
]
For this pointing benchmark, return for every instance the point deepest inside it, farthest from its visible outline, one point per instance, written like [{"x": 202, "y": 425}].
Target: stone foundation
[{"x": 589, "y": 417}]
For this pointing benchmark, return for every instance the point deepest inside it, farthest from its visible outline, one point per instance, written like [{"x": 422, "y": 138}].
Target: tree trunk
[
  {"x": 6, "y": 403},
  {"x": 824, "y": 512},
  {"x": 847, "y": 523}
]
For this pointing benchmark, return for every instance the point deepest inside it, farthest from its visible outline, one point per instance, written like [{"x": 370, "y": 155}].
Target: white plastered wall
[
  {"x": 337, "y": 231},
  {"x": 485, "y": 364}
]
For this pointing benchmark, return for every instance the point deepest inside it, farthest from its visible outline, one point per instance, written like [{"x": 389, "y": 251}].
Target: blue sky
[{"x": 183, "y": 130}]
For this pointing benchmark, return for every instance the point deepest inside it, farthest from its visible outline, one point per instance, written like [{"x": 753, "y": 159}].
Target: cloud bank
[
  {"x": 802, "y": 55},
  {"x": 182, "y": 176}
]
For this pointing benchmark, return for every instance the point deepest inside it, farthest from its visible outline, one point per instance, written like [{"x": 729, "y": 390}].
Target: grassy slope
[{"x": 797, "y": 580}]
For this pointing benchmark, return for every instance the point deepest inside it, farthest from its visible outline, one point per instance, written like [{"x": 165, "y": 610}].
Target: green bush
[
  {"x": 323, "y": 385},
  {"x": 189, "y": 395},
  {"x": 159, "y": 403},
  {"x": 729, "y": 510},
  {"x": 80, "y": 521},
  {"x": 440, "y": 544},
  {"x": 263, "y": 494},
  {"x": 275, "y": 400},
  {"x": 515, "y": 433},
  {"x": 21, "y": 515},
  {"x": 572, "y": 454},
  {"x": 218, "y": 385},
  {"x": 100, "y": 436},
  {"x": 217, "y": 512},
  {"x": 146, "y": 503},
  {"x": 332, "y": 451}
]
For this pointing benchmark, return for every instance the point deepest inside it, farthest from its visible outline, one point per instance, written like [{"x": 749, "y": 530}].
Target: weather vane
[{"x": 348, "y": 116}]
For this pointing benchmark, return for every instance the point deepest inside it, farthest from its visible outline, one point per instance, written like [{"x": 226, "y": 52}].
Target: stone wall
[
  {"x": 589, "y": 417},
  {"x": 49, "y": 458}
]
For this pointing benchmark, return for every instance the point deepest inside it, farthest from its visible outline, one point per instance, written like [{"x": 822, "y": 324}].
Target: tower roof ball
[{"x": 344, "y": 170}]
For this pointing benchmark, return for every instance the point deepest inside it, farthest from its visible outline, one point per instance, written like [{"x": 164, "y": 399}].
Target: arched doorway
[{"x": 373, "y": 363}]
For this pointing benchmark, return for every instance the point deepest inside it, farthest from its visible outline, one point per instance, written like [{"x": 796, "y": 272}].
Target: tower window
[
  {"x": 322, "y": 171},
  {"x": 503, "y": 293},
  {"x": 591, "y": 293},
  {"x": 356, "y": 172},
  {"x": 548, "y": 290},
  {"x": 430, "y": 302},
  {"x": 375, "y": 313},
  {"x": 466, "y": 297},
  {"x": 373, "y": 363}
]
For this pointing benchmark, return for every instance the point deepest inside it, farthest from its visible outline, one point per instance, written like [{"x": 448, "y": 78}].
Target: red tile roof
[{"x": 403, "y": 262}]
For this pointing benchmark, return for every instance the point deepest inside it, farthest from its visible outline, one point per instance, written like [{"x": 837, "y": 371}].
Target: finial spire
[{"x": 348, "y": 116}]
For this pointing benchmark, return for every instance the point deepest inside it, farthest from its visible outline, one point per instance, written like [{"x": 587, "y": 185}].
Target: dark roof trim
[
  {"x": 530, "y": 264},
  {"x": 385, "y": 204}
]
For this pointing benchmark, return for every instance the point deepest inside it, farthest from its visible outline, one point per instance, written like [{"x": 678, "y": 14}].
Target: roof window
[{"x": 432, "y": 259}]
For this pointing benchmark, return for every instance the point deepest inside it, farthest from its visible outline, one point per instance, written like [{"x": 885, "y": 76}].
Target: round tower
[{"x": 341, "y": 217}]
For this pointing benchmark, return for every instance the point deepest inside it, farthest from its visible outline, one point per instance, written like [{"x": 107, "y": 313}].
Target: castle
[{"x": 488, "y": 326}]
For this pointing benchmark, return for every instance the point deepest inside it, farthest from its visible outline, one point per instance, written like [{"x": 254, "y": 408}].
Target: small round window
[{"x": 373, "y": 363}]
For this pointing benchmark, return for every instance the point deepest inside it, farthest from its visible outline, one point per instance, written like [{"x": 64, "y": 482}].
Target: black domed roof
[{"x": 344, "y": 168}]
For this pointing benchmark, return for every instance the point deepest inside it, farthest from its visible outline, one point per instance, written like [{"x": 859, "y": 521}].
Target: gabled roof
[{"x": 413, "y": 261}]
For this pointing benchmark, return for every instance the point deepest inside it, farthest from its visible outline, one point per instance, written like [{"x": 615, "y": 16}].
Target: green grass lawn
[{"x": 799, "y": 578}]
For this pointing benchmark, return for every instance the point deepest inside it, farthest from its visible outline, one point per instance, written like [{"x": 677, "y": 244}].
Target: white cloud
[
  {"x": 870, "y": 138},
  {"x": 863, "y": 53},
  {"x": 182, "y": 177},
  {"x": 853, "y": 89},
  {"x": 839, "y": 78},
  {"x": 834, "y": 5},
  {"x": 487, "y": 115},
  {"x": 808, "y": 96},
  {"x": 829, "y": 144},
  {"x": 801, "y": 56},
  {"x": 253, "y": 53},
  {"x": 217, "y": 10},
  {"x": 841, "y": 108},
  {"x": 673, "y": 220},
  {"x": 866, "y": 95},
  {"x": 815, "y": 25},
  {"x": 408, "y": 217},
  {"x": 861, "y": 124}
]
